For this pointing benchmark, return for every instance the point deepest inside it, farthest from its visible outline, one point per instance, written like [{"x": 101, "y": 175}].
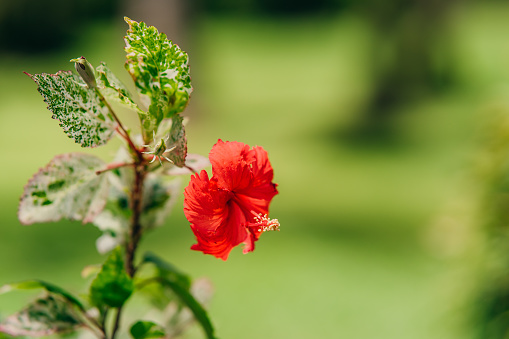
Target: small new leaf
[
  {"x": 115, "y": 91},
  {"x": 67, "y": 187},
  {"x": 159, "y": 69},
  {"x": 112, "y": 286},
  {"x": 82, "y": 115},
  {"x": 146, "y": 330},
  {"x": 178, "y": 139},
  {"x": 43, "y": 317}
]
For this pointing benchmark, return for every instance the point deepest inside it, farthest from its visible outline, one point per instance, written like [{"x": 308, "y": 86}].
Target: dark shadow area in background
[
  {"x": 410, "y": 60},
  {"x": 274, "y": 8},
  {"x": 36, "y": 27}
]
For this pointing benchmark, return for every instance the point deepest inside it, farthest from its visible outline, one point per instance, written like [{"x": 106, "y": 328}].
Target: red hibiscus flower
[{"x": 231, "y": 207}]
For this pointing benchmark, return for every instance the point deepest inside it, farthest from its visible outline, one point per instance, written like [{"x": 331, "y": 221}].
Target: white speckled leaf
[
  {"x": 81, "y": 113},
  {"x": 45, "y": 316},
  {"x": 115, "y": 91},
  {"x": 178, "y": 139},
  {"x": 159, "y": 69},
  {"x": 67, "y": 187}
]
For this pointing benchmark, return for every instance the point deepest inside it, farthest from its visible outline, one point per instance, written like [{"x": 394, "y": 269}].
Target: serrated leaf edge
[{"x": 113, "y": 126}]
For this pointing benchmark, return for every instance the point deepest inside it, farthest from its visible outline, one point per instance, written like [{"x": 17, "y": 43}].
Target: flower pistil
[{"x": 263, "y": 223}]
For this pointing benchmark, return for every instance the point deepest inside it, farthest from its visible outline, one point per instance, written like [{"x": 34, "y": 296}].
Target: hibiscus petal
[
  {"x": 230, "y": 164},
  {"x": 261, "y": 167},
  {"x": 255, "y": 200},
  {"x": 204, "y": 204},
  {"x": 229, "y": 234},
  {"x": 257, "y": 196},
  {"x": 220, "y": 248},
  {"x": 249, "y": 243}
]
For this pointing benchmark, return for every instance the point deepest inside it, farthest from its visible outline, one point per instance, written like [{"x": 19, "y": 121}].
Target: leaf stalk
[{"x": 122, "y": 131}]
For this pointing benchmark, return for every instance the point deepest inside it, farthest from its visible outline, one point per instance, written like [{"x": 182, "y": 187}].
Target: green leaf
[
  {"x": 159, "y": 69},
  {"x": 179, "y": 283},
  {"x": 112, "y": 88},
  {"x": 167, "y": 270},
  {"x": 178, "y": 317},
  {"x": 112, "y": 286},
  {"x": 198, "y": 311},
  {"x": 67, "y": 187},
  {"x": 34, "y": 284},
  {"x": 146, "y": 330},
  {"x": 157, "y": 295},
  {"x": 82, "y": 115},
  {"x": 115, "y": 92},
  {"x": 45, "y": 316}
]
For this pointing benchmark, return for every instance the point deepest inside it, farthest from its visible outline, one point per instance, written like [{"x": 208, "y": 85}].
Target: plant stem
[
  {"x": 114, "y": 165},
  {"x": 94, "y": 327},
  {"x": 120, "y": 127},
  {"x": 135, "y": 230},
  {"x": 191, "y": 169},
  {"x": 136, "y": 202},
  {"x": 117, "y": 323},
  {"x": 136, "y": 206}
]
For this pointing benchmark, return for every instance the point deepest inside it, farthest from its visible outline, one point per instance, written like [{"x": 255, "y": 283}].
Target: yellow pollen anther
[{"x": 265, "y": 223}]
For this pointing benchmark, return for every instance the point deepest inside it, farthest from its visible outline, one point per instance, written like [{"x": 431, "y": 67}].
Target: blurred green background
[{"x": 369, "y": 112}]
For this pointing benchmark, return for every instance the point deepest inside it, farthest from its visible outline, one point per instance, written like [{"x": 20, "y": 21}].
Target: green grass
[{"x": 353, "y": 258}]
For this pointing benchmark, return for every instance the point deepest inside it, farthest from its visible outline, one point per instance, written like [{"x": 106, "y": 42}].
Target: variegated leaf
[
  {"x": 68, "y": 187},
  {"x": 177, "y": 138},
  {"x": 115, "y": 91},
  {"x": 81, "y": 113},
  {"x": 36, "y": 284},
  {"x": 43, "y": 317},
  {"x": 159, "y": 68}
]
